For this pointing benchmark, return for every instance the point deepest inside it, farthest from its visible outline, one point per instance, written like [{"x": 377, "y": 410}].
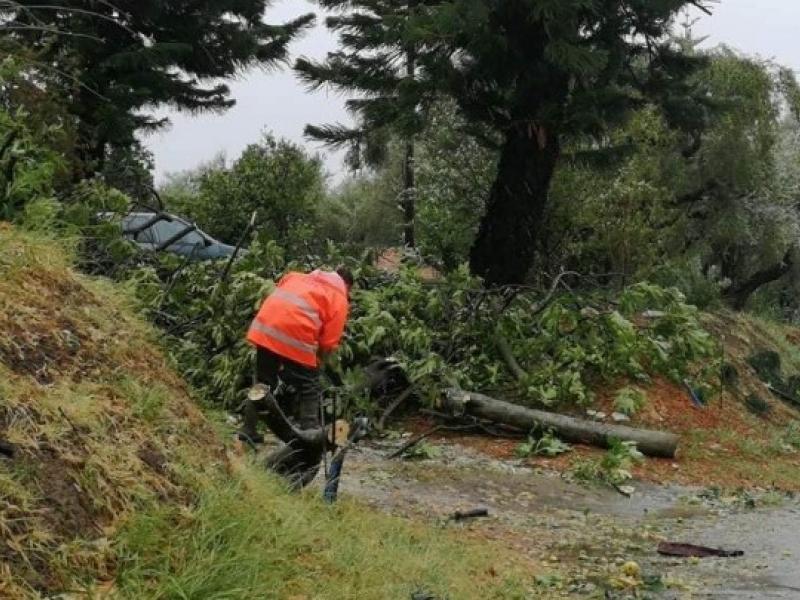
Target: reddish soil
[
  {"x": 391, "y": 259},
  {"x": 710, "y": 453},
  {"x": 669, "y": 407}
]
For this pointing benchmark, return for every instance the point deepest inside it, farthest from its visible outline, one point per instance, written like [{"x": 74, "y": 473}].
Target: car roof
[{"x": 169, "y": 216}]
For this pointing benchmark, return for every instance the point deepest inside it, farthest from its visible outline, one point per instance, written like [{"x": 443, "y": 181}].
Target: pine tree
[
  {"x": 544, "y": 73},
  {"x": 378, "y": 65},
  {"x": 114, "y": 59}
]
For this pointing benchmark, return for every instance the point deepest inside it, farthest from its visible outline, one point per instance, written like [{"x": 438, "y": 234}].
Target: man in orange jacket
[{"x": 299, "y": 323}]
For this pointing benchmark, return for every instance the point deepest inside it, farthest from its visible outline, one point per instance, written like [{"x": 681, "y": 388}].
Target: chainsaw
[{"x": 338, "y": 438}]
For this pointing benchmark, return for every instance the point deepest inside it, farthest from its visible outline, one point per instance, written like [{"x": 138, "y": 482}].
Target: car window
[
  {"x": 131, "y": 222},
  {"x": 165, "y": 230},
  {"x": 192, "y": 239}
]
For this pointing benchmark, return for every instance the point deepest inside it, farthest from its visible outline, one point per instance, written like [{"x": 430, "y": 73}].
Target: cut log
[{"x": 578, "y": 431}]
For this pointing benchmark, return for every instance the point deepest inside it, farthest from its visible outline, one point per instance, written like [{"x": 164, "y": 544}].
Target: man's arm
[{"x": 331, "y": 333}]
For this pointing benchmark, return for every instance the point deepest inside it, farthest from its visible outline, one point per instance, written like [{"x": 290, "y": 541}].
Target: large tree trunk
[
  {"x": 651, "y": 443},
  {"x": 409, "y": 184},
  {"x": 506, "y": 244}
]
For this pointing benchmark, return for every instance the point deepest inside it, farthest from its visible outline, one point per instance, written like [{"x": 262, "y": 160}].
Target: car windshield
[
  {"x": 166, "y": 230},
  {"x": 130, "y": 222}
]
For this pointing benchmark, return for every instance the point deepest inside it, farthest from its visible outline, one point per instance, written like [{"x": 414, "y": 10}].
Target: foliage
[
  {"x": 206, "y": 316},
  {"x": 361, "y": 212},
  {"x": 629, "y": 401},
  {"x": 609, "y": 217},
  {"x": 535, "y": 96},
  {"x": 423, "y": 451},
  {"x": 376, "y": 64},
  {"x": 704, "y": 217},
  {"x": 441, "y": 333},
  {"x": 545, "y": 445},
  {"x": 89, "y": 219},
  {"x": 739, "y": 219},
  {"x": 703, "y": 290},
  {"x": 112, "y": 63},
  {"x": 30, "y": 164},
  {"x": 130, "y": 170},
  {"x": 454, "y": 174},
  {"x": 615, "y": 466},
  {"x": 274, "y": 177},
  {"x": 577, "y": 346}
]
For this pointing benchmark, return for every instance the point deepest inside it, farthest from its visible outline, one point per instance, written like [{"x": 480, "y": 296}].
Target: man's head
[{"x": 347, "y": 276}]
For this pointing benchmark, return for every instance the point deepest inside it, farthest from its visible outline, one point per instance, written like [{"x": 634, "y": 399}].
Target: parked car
[{"x": 160, "y": 231}]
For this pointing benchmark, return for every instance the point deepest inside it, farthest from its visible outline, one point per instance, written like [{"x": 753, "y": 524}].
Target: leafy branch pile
[
  {"x": 442, "y": 333},
  {"x": 446, "y": 333}
]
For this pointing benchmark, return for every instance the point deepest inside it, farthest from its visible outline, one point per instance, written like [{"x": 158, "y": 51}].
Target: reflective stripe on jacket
[{"x": 305, "y": 314}]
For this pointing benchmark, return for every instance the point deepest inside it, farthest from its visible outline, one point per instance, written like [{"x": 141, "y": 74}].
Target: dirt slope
[{"x": 94, "y": 422}]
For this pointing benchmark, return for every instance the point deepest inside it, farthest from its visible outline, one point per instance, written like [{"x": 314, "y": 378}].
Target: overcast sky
[{"x": 277, "y": 102}]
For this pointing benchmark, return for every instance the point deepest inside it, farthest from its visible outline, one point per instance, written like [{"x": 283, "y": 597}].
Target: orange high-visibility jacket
[{"x": 304, "y": 314}]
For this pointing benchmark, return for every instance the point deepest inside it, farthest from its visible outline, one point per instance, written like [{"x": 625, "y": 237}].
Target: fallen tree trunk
[{"x": 570, "y": 429}]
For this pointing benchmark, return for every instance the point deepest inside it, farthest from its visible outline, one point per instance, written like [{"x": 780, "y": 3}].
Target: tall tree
[
  {"x": 540, "y": 72},
  {"x": 378, "y": 64},
  {"x": 114, "y": 59}
]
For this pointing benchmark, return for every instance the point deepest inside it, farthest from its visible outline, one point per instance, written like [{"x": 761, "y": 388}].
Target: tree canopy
[
  {"x": 376, "y": 65},
  {"x": 540, "y": 72},
  {"x": 112, "y": 61}
]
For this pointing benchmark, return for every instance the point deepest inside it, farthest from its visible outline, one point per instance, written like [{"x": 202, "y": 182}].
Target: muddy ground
[{"x": 577, "y": 536}]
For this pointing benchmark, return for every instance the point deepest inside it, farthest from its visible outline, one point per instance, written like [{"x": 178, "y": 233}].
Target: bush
[
  {"x": 700, "y": 290},
  {"x": 274, "y": 177}
]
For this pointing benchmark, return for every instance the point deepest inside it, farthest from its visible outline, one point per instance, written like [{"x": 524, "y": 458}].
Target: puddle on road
[{"x": 542, "y": 512}]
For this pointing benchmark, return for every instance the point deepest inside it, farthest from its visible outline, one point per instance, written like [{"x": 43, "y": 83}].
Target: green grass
[
  {"x": 147, "y": 401},
  {"x": 248, "y": 538},
  {"x": 790, "y": 353}
]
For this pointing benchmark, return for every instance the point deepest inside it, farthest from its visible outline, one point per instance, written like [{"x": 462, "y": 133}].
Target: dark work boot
[
  {"x": 307, "y": 413},
  {"x": 295, "y": 463},
  {"x": 307, "y": 460},
  {"x": 249, "y": 431}
]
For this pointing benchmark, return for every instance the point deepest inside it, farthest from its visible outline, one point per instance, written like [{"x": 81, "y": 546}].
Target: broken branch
[
  {"x": 414, "y": 441},
  {"x": 394, "y": 405}
]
